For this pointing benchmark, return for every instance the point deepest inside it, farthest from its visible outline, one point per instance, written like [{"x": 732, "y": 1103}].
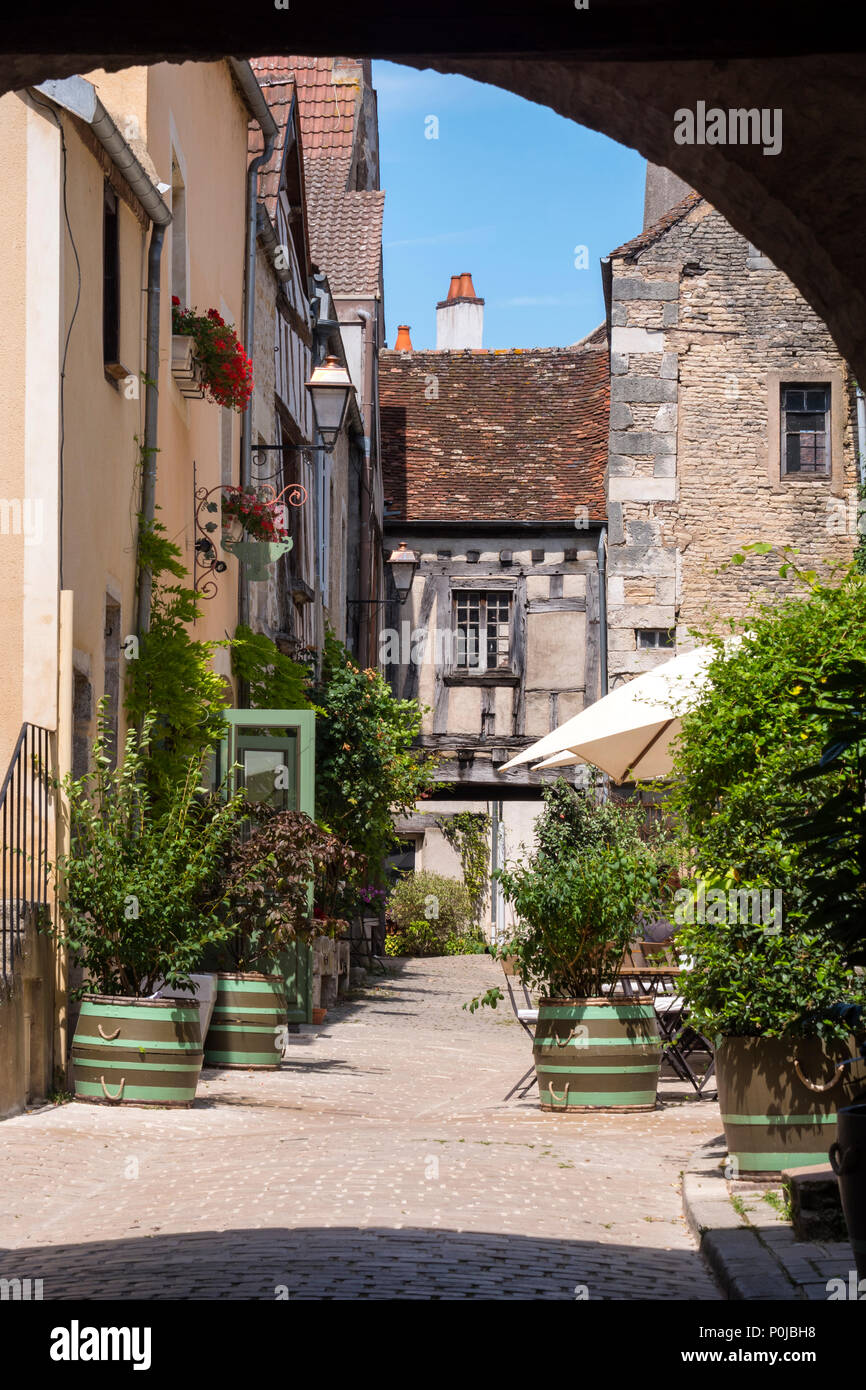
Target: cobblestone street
[{"x": 380, "y": 1161}]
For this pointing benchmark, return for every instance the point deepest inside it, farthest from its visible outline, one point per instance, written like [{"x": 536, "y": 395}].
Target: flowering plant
[
  {"x": 373, "y": 897},
  {"x": 227, "y": 371},
  {"x": 262, "y": 518}
]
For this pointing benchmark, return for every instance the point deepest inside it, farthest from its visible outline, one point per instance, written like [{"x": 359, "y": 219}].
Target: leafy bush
[
  {"x": 832, "y": 837},
  {"x": 141, "y": 900},
  {"x": 267, "y": 880},
  {"x": 366, "y": 767},
  {"x": 748, "y": 981},
  {"x": 740, "y": 794},
  {"x": 423, "y": 939},
  {"x": 422, "y": 896},
  {"x": 579, "y": 894}
]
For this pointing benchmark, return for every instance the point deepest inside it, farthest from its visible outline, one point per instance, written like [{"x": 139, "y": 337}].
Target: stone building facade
[
  {"x": 713, "y": 443},
  {"x": 493, "y": 470}
]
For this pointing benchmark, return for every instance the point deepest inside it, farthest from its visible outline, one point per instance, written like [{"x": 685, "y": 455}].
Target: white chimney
[{"x": 460, "y": 317}]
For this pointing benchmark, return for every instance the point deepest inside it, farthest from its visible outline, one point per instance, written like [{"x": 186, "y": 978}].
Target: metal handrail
[{"x": 24, "y": 863}]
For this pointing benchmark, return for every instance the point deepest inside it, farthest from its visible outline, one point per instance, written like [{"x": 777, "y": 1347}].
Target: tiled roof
[
  {"x": 345, "y": 227},
  {"x": 666, "y": 221},
  {"x": 278, "y": 86},
  {"x": 518, "y": 436},
  {"x": 346, "y": 239}
]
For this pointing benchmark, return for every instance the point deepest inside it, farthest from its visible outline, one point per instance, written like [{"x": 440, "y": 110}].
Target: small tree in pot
[
  {"x": 269, "y": 879},
  {"x": 767, "y": 983},
  {"x": 577, "y": 898},
  {"x": 139, "y": 906}
]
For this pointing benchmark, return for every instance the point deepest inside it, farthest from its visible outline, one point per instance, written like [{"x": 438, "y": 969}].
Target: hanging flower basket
[
  {"x": 257, "y": 556},
  {"x": 226, "y": 373},
  {"x": 252, "y": 515}
]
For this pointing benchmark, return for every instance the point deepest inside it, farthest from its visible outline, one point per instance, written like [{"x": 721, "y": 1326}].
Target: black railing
[{"x": 24, "y": 865}]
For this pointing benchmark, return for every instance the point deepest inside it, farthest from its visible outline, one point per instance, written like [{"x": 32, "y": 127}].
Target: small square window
[
  {"x": 482, "y": 630},
  {"x": 538, "y": 557},
  {"x": 805, "y": 432},
  {"x": 652, "y": 638}
]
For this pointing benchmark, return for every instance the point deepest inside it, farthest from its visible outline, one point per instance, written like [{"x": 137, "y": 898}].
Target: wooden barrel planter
[
  {"x": 779, "y": 1097},
  {"x": 137, "y": 1051},
  {"x": 597, "y": 1054},
  {"x": 848, "y": 1157},
  {"x": 249, "y": 1012}
]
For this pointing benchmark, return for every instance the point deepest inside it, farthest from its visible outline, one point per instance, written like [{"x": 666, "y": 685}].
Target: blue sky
[{"x": 507, "y": 191}]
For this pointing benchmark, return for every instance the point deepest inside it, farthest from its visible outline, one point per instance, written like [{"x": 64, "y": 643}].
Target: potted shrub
[
  {"x": 766, "y": 992},
  {"x": 137, "y": 911},
  {"x": 833, "y": 851},
  {"x": 770, "y": 990},
  {"x": 577, "y": 898},
  {"x": 221, "y": 365},
  {"x": 268, "y": 879}
]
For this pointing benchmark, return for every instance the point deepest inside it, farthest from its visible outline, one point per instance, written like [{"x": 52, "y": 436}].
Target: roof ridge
[{"x": 667, "y": 220}]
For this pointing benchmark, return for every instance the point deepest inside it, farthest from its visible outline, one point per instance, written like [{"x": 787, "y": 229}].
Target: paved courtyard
[{"x": 381, "y": 1161}]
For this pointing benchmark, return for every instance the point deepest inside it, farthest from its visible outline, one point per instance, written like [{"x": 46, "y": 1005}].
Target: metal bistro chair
[
  {"x": 653, "y": 968},
  {"x": 527, "y": 1016}
]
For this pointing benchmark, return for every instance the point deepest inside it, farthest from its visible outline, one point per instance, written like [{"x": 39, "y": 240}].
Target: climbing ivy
[
  {"x": 468, "y": 833},
  {"x": 274, "y": 680},
  {"x": 171, "y": 674}
]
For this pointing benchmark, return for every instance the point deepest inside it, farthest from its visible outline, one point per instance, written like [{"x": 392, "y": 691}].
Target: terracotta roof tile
[
  {"x": 517, "y": 435},
  {"x": 345, "y": 227},
  {"x": 666, "y": 221}
]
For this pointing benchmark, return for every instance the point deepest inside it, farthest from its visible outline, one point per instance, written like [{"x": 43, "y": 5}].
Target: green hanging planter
[{"x": 257, "y": 556}]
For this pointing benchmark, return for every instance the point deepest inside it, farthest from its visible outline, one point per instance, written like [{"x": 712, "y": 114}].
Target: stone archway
[{"x": 804, "y": 207}]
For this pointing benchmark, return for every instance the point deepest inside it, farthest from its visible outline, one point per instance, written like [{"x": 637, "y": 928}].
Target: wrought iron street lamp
[
  {"x": 403, "y": 564},
  {"x": 330, "y": 387}
]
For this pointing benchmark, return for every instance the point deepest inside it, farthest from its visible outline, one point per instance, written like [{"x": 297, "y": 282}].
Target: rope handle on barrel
[
  {"x": 842, "y": 1161},
  {"x": 815, "y": 1086},
  {"x": 107, "y": 1093},
  {"x": 555, "y": 1102},
  {"x": 108, "y": 1037}
]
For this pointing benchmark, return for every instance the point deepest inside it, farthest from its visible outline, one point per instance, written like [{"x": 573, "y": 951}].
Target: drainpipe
[
  {"x": 261, "y": 112},
  {"x": 602, "y": 609},
  {"x": 861, "y": 436},
  {"x": 78, "y": 96},
  {"x": 151, "y": 417},
  {"x": 364, "y": 554}
]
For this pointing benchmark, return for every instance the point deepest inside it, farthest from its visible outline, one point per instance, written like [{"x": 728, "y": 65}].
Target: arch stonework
[{"x": 805, "y": 207}]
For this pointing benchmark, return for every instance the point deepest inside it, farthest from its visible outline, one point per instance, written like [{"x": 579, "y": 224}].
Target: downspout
[
  {"x": 602, "y": 609},
  {"x": 78, "y": 96},
  {"x": 151, "y": 418},
  {"x": 861, "y": 436},
  {"x": 261, "y": 113},
  {"x": 364, "y": 552}
]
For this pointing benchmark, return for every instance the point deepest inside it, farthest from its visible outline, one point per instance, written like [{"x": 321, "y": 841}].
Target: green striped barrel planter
[
  {"x": 137, "y": 1051},
  {"x": 246, "y": 1028},
  {"x": 779, "y": 1097},
  {"x": 597, "y": 1054}
]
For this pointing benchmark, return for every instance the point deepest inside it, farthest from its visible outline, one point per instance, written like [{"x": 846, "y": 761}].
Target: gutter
[
  {"x": 260, "y": 112},
  {"x": 78, "y": 96}
]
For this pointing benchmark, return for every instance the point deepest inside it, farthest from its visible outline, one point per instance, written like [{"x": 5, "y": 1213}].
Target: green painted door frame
[{"x": 263, "y": 741}]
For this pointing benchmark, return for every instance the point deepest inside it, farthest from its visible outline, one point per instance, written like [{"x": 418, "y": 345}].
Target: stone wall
[
  {"x": 703, "y": 332},
  {"x": 27, "y": 1070}
]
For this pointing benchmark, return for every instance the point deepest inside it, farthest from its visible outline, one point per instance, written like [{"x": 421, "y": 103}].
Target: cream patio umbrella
[{"x": 630, "y": 732}]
